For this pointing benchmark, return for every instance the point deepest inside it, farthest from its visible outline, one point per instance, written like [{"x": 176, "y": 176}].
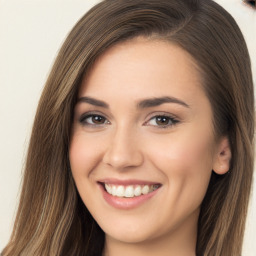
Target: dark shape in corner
[{"x": 250, "y": 3}]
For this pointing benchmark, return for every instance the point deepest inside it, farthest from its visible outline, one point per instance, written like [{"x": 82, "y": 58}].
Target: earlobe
[{"x": 223, "y": 157}]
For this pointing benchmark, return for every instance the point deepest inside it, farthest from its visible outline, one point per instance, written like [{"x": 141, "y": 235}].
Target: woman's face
[{"x": 142, "y": 147}]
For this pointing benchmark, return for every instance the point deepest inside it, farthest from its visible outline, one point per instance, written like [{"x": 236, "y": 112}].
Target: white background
[{"x": 31, "y": 32}]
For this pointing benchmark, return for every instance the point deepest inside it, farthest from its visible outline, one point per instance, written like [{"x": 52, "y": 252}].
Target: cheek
[
  {"x": 189, "y": 152},
  {"x": 186, "y": 161},
  {"x": 84, "y": 155}
]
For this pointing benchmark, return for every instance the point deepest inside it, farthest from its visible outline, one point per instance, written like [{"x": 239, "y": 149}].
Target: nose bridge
[{"x": 124, "y": 148}]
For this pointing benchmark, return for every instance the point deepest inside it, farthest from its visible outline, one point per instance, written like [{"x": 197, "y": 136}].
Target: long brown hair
[{"x": 51, "y": 218}]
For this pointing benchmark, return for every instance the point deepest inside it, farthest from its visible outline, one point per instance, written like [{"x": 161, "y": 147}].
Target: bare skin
[{"x": 122, "y": 134}]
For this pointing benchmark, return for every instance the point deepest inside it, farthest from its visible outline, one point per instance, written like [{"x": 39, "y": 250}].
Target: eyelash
[
  {"x": 172, "y": 121},
  {"x": 86, "y": 116},
  {"x": 84, "y": 120}
]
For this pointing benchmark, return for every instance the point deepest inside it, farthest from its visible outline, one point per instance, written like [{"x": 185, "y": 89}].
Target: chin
[{"x": 130, "y": 236}]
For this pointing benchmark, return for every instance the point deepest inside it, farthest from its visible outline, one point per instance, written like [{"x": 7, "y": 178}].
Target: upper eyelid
[
  {"x": 176, "y": 120},
  {"x": 162, "y": 113},
  {"x": 91, "y": 113},
  {"x": 170, "y": 117},
  {"x": 84, "y": 122}
]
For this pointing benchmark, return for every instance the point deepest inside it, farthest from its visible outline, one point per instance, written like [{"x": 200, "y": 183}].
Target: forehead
[{"x": 143, "y": 67}]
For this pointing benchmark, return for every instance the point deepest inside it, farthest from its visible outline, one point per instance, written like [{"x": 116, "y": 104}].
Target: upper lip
[{"x": 126, "y": 182}]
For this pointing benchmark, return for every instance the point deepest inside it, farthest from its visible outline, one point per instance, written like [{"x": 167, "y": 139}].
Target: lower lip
[{"x": 126, "y": 203}]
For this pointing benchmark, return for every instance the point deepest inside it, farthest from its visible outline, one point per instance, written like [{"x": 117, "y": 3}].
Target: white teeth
[
  {"x": 120, "y": 191},
  {"x": 108, "y": 188},
  {"x": 137, "y": 191},
  {"x": 114, "y": 191},
  {"x": 145, "y": 190},
  {"x": 130, "y": 191}
]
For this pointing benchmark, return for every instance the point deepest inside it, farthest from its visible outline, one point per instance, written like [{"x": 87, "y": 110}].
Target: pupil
[
  {"x": 98, "y": 119},
  {"x": 162, "y": 120}
]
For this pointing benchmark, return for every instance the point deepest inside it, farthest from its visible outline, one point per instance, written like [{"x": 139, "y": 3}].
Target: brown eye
[
  {"x": 93, "y": 120},
  {"x": 162, "y": 120},
  {"x": 98, "y": 119}
]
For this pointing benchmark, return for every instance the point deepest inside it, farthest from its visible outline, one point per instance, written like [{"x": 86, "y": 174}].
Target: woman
[{"x": 143, "y": 138}]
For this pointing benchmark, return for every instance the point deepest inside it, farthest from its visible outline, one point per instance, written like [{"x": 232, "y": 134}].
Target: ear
[{"x": 221, "y": 164}]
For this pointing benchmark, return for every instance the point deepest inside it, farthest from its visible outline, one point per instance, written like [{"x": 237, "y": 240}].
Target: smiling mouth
[{"x": 129, "y": 191}]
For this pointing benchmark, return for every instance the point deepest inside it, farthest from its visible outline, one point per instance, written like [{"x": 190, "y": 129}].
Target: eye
[
  {"x": 93, "y": 120},
  {"x": 162, "y": 121}
]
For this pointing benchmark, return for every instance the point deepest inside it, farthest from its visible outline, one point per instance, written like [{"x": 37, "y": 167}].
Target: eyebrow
[
  {"x": 153, "y": 102},
  {"x": 147, "y": 103},
  {"x": 93, "y": 101}
]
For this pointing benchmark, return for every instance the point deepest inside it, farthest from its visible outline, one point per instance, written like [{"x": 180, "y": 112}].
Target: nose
[{"x": 123, "y": 150}]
